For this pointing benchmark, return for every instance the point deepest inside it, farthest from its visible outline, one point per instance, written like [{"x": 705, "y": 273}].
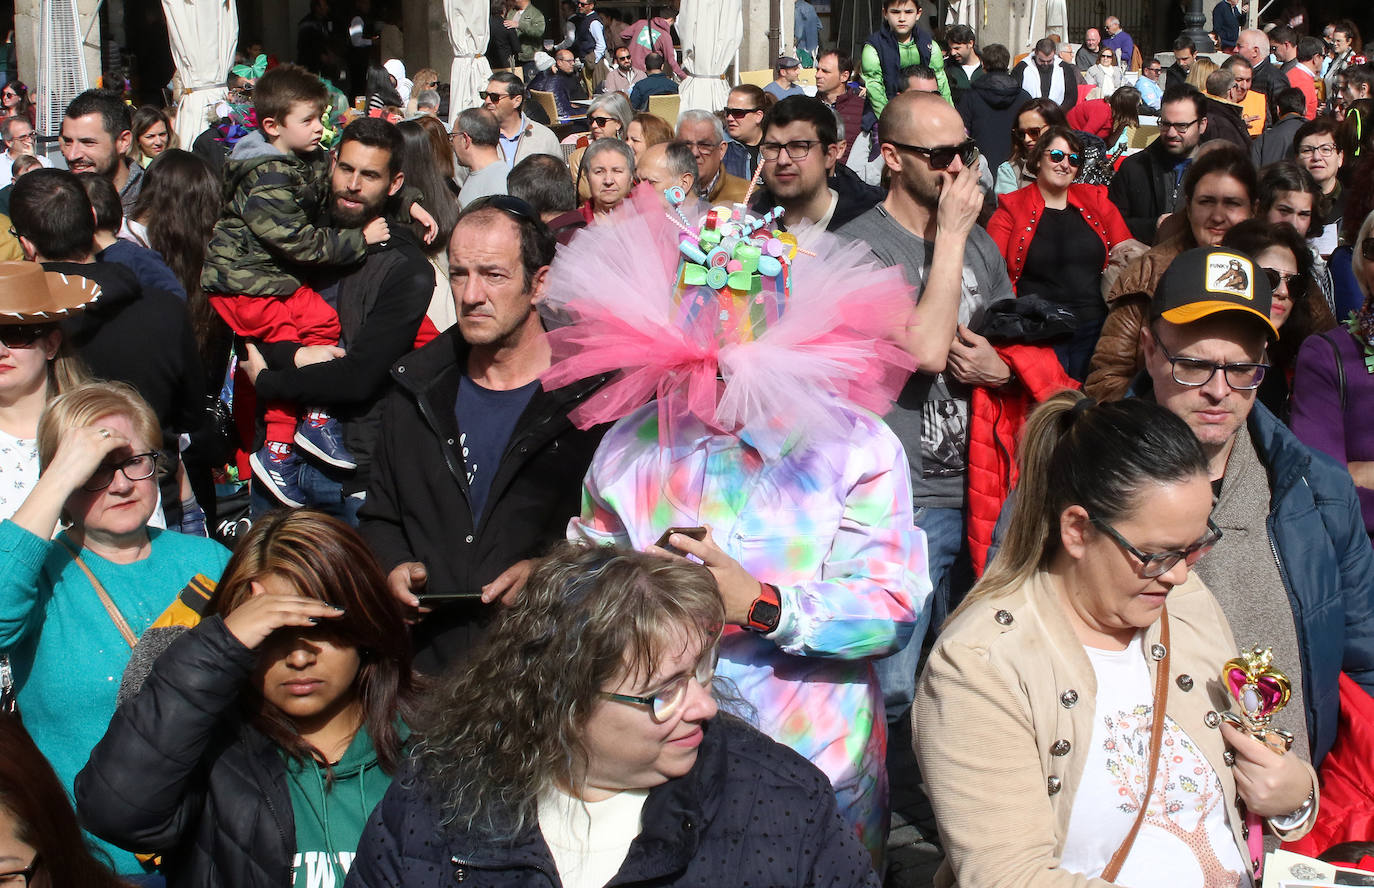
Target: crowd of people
[{"x": 590, "y": 497}]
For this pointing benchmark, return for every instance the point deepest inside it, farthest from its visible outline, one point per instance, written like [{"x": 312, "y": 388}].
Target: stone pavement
[{"x": 913, "y": 852}]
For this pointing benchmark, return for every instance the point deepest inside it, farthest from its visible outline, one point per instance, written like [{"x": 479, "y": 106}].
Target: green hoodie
[{"x": 330, "y": 818}]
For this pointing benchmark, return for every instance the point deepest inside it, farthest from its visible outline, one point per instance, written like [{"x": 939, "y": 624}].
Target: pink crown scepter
[{"x": 1261, "y": 690}]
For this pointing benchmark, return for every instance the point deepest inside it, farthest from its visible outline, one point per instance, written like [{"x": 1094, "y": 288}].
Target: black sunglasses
[
  {"x": 940, "y": 158},
  {"x": 1057, "y": 155},
  {"x": 739, "y": 112},
  {"x": 1295, "y": 282},
  {"x": 24, "y": 335},
  {"x": 602, "y": 121},
  {"x": 494, "y": 96}
]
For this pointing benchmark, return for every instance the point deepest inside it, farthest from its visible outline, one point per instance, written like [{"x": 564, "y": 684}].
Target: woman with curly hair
[
  {"x": 260, "y": 741},
  {"x": 584, "y": 743}
]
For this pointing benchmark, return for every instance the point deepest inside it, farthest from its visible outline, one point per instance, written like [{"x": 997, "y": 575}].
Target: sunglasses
[
  {"x": 1032, "y": 131},
  {"x": 940, "y": 158},
  {"x": 737, "y": 113},
  {"x": 24, "y": 335},
  {"x": 1276, "y": 277},
  {"x": 603, "y": 121},
  {"x": 493, "y": 96},
  {"x": 1057, "y": 155},
  {"x": 1367, "y": 248}
]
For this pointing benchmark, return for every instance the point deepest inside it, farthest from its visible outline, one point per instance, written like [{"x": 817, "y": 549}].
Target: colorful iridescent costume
[{"x": 760, "y": 361}]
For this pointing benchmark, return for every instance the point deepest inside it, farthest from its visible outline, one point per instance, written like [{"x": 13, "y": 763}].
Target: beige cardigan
[{"x": 1003, "y": 716}]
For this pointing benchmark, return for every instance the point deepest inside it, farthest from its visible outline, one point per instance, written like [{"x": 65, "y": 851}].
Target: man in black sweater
[
  {"x": 1147, "y": 184},
  {"x": 381, "y": 304}
]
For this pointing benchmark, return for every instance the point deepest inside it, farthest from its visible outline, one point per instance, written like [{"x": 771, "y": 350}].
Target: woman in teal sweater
[{"x": 67, "y": 642}]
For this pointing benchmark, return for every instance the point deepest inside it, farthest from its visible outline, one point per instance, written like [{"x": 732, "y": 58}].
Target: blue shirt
[
  {"x": 511, "y": 144},
  {"x": 779, "y": 92},
  {"x": 486, "y": 419}
]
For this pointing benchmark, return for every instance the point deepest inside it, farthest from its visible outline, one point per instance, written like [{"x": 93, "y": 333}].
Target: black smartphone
[{"x": 696, "y": 533}]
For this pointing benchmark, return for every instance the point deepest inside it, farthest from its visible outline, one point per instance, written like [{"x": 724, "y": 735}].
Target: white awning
[
  {"x": 710, "y": 31},
  {"x": 203, "y": 34},
  {"x": 468, "y": 22}
]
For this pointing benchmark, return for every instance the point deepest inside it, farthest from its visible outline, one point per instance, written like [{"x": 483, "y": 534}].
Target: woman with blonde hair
[
  {"x": 73, "y": 604},
  {"x": 1198, "y": 74},
  {"x": 153, "y": 134},
  {"x": 1066, "y": 721},
  {"x": 584, "y": 743},
  {"x": 646, "y": 130}
]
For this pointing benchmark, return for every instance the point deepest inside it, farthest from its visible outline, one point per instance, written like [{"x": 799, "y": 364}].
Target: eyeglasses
[
  {"x": 1032, "y": 131},
  {"x": 138, "y": 467},
  {"x": 1154, "y": 70},
  {"x": 797, "y": 149},
  {"x": 24, "y": 335},
  {"x": 1291, "y": 281},
  {"x": 19, "y": 878},
  {"x": 737, "y": 113},
  {"x": 1057, "y": 155},
  {"x": 1244, "y": 376},
  {"x": 23, "y": 137},
  {"x": 516, "y": 207},
  {"x": 702, "y": 147},
  {"x": 1154, "y": 564},
  {"x": 493, "y": 96},
  {"x": 940, "y": 158},
  {"x": 664, "y": 703},
  {"x": 1327, "y": 150},
  {"x": 603, "y": 121},
  {"x": 1367, "y": 248},
  {"x": 1178, "y": 127}
]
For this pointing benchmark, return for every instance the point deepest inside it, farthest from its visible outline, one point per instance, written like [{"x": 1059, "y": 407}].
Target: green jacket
[
  {"x": 267, "y": 236},
  {"x": 531, "y": 33}
]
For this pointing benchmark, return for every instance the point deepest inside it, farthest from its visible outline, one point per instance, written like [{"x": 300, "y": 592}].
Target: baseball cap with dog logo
[{"x": 1208, "y": 280}]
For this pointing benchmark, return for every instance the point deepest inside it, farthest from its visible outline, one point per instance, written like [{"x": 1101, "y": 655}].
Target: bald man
[
  {"x": 1253, "y": 46},
  {"x": 666, "y": 165},
  {"x": 934, "y": 174}
]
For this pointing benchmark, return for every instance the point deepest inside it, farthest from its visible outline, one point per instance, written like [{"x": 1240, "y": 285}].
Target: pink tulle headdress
[{"x": 719, "y": 315}]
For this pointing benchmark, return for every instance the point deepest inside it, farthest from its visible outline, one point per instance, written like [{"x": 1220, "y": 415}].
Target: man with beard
[
  {"x": 1147, "y": 184},
  {"x": 799, "y": 152},
  {"x": 1045, "y": 75},
  {"x": 957, "y": 276},
  {"x": 381, "y": 303},
  {"x": 96, "y": 134},
  {"x": 478, "y": 468}
]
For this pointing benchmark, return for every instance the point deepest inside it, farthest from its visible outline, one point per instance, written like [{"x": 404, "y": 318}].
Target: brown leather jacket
[{"x": 1117, "y": 359}]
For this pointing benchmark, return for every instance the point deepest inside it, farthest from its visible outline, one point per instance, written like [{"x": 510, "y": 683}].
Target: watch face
[{"x": 764, "y": 614}]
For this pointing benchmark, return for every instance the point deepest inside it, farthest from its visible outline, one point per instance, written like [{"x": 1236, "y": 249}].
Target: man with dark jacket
[
  {"x": 989, "y": 106},
  {"x": 1224, "y": 117},
  {"x": 478, "y": 468},
  {"x": 1276, "y": 143},
  {"x": 1147, "y": 184},
  {"x": 799, "y": 153},
  {"x": 1185, "y": 52},
  {"x": 1293, "y": 570},
  {"x": 1044, "y": 75},
  {"x": 381, "y": 303}
]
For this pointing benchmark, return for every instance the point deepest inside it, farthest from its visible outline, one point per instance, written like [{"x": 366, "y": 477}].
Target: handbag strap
[
  {"x": 1156, "y": 741},
  {"x": 110, "y": 608}
]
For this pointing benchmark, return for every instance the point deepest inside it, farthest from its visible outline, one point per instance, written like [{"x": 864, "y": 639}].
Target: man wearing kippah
[{"x": 1294, "y": 569}]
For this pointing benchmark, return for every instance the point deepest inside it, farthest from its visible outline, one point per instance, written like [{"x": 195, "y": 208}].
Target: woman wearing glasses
[
  {"x": 608, "y": 117},
  {"x": 1219, "y": 191},
  {"x": 583, "y": 743},
  {"x": 73, "y": 605},
  {"x": 1058, "y": 237},
  {"x": 14, "y": 101},
  {"x": 1035, "y": 718},
  {"x": 1106, "y": 75},
  {"x": 1032, "y": 119},
  {"x": 1333, "y": 390}
]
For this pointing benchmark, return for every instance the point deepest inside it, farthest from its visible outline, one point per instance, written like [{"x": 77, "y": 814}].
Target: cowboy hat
[{"x": 30, "y": 295}]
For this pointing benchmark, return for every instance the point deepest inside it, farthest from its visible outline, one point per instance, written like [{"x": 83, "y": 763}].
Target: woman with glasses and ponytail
[
  {"x": 1058, "y": 237},
  {"x": 585, "y": 743},
  {"x": 74, "y": 603},
  {"x": 1067, "y": 722}
]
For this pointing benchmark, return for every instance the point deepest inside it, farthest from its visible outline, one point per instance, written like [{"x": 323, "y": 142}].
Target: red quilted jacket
[{"x": 996, "y": 417}]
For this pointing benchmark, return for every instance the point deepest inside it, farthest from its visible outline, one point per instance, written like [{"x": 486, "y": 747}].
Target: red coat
[
  {"x": 1346, "y": 813},
  {"x": 1018, "y": 215},
  {"x": 996, "y": 417}
]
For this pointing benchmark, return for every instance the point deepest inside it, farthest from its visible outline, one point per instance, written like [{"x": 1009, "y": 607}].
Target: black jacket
[
  {"x": 1175, "y": 74},
  {"x": 180, "y": 771},
  {"x": 1144, "y": 188},
  {"x": 1063, "y": 69},
  {"x": 142, "y": 337},
  {"x": 381, "y": 304},
  {"x": 853, "y": 197},
  {"x": 1276, "y": 142},
  {"x": 989, "y": 108},
  {"x": 417, "y": 498},
  {"x": 1225, "y": 121},
  {"x": 750, "y": 812}
]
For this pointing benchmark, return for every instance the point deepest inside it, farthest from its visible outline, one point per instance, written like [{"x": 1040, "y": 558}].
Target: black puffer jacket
[
  {"x": 989, "y": 107},
  {"x": 751, "y": 812},
  {"x": 148, "y": 787}
]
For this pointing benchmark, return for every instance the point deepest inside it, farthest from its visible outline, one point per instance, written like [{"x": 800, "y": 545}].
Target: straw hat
[{"x": 30, "y": 295}]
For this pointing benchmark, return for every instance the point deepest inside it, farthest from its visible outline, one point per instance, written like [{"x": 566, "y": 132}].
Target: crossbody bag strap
[
  {"x": 110, "y": 608},
  {"x": 1156, "y": 741}
]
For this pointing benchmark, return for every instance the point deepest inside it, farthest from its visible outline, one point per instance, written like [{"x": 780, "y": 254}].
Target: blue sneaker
[
  {"x": 278, "y": 468},
  {"x": 321, "y": 436}
]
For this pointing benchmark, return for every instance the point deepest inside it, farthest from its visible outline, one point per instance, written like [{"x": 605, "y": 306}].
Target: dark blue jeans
[
  {"x": 323, "y": 490},
  {"x": 945, "y": 543}
]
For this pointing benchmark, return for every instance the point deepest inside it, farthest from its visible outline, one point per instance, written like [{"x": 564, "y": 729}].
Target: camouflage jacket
[{"x": 267, "y": 236}]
